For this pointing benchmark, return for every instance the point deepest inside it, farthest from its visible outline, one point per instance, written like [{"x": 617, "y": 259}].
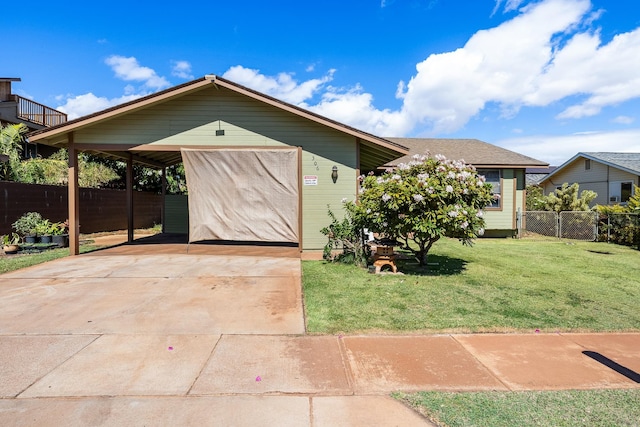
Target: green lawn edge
[{"x": 569, "y": 408}]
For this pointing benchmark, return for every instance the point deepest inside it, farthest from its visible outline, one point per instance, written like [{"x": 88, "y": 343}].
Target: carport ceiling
[{"x": 371, "y": 156}]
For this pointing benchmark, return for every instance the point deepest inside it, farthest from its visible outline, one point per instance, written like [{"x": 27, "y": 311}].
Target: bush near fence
[
  {"x": 619, "y": 228},
  {"x": 100, "y": 209}
]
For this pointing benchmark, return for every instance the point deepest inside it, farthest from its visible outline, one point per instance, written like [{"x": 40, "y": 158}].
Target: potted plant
[
  {"x": 10, "y": 243},
  {"x": 59, "y": 233},
  {"x": 25, "y": 226},
  {"x": 43, "y": 229}
]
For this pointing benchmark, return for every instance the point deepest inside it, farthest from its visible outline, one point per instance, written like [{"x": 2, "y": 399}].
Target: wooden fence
[{"x": 100, "y": 209}]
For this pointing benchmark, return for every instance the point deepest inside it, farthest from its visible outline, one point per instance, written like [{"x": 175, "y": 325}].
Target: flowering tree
[{"x": 422, "y": 201}]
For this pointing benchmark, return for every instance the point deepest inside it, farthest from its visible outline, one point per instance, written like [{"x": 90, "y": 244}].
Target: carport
[{"x": 258, "y": 169}]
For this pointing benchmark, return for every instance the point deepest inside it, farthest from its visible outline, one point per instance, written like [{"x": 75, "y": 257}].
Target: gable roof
[
  {"x": 472, "y": 151},
  {"x": 628, "y": 162},
  {"x": 374, "y": 151}
]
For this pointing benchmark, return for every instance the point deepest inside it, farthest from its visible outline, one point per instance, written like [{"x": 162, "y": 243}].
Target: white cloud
[
  {"x": 623, "y": 120},
  {"x": 128, "y": 69},
  {"x": 283, "y": 86},
  {"x": 355, "y": 108},
  {"x": 545, "y": 54},
  {"x": 181, "y": 69},
  {"x": 605, "y": 74},
  {"x": 501, "y": 65},
  {"x": 81, "y": 105},
  {"x": 558, "y": 149},
  {"x": 509, "y": 6}
]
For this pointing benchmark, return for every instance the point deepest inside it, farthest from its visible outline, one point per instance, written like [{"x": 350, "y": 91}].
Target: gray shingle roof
[
  {"x": 628, "y": 161},
  {"x": 472, "y": 151}
]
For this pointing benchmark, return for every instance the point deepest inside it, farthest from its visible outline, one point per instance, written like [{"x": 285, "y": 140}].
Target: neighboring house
[
  {"x": 533, "y": 176},
  {"x": 255, "y": 165},
  {"x": 613, "y": 176},
  {"x": 15, "y": 109},
  {"x": 503, "y": 168}
]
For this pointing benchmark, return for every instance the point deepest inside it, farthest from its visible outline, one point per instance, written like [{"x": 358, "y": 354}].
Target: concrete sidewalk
[{"x": 123, "y": 339}]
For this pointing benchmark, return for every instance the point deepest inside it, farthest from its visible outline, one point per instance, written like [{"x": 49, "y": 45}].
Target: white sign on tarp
[{"x": 310, "y": 180}]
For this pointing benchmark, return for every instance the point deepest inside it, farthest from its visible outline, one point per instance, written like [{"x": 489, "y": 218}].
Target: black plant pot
[
  {"x": 61, "y": 240},
  {"x": 30, "y": 239},
  {"x": 45, "y": 239}
]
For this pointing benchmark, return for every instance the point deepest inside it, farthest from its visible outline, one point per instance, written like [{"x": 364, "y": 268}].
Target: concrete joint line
[
  {"x": 346, "y": 366},
  {"x": 59, "y": 364},
  {"x": 204, "y": 365},
  {"x": 493, "y": 374}
]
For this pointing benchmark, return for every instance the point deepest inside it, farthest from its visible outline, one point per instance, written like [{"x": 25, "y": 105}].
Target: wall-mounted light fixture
[
  {"x": 219, "y": 131},
  {"x": 334, "y": 174}
]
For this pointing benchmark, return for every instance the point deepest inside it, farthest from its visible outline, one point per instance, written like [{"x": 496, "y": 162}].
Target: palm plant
[{"x": 11, "y": 137}]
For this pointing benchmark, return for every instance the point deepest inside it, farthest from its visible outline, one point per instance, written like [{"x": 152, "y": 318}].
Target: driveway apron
[{"x": 171, "y": 335}]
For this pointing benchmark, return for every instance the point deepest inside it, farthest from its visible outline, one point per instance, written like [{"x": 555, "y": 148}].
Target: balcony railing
[{"x": 38, "y": 113}]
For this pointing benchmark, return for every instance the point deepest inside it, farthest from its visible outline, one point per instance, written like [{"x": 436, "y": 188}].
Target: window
[
  {"x": 626, "y": 191},
  {"x": 587, "y": 164},
  {"x": 620, "y": 191},
  {"x": 493, "y": 177}
]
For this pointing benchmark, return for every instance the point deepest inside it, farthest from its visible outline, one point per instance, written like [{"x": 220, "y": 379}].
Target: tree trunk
[{"x": 423, "y": 254}]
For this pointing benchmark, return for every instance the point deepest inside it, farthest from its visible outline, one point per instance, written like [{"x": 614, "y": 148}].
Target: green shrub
[{"x": 27, "y": 224}]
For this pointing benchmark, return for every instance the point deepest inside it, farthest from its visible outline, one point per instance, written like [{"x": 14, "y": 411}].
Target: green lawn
[
  {"x": 498, "y": 285},
  {"x": 592, "y": 408},
  {"x": 18, "y": 261}
]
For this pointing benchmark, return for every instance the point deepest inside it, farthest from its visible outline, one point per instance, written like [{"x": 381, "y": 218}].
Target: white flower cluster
[
  {"x": 386, "y": 197},
  {"x": 462, "y": 176},
  {"x": 418, "y": 197}
]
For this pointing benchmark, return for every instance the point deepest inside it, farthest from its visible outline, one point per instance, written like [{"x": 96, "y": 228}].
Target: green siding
[
  {"x": 193, "y": 119},
  {"x": 318, "y": 161},
  {"x": 503, "y": 219}
]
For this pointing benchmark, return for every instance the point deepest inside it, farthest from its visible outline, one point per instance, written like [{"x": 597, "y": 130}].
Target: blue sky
[{"x": 545, "y": 78}]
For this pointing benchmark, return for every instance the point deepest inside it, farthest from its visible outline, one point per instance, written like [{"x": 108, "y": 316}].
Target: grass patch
[
  {"x": 549, "y": 408},
  {"x": 87, "y": 244},
  {"x": 498, "y": 285},
  {"x": 15, "y": 262}
]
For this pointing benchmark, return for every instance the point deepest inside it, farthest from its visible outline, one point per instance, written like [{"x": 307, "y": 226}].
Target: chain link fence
[
  {"x": 619, "y": 228},
  {"x": 575, "y": 225},
  {"x": 541, "y": 222}
]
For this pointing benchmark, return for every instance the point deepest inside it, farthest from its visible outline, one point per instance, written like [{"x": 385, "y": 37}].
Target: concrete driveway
[
  {"x": 153, "y": 335},
  {"x": 148, "y": 334}
]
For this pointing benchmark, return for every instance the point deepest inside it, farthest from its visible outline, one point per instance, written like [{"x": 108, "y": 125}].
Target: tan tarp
[{"x": 242, "y": 195}]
